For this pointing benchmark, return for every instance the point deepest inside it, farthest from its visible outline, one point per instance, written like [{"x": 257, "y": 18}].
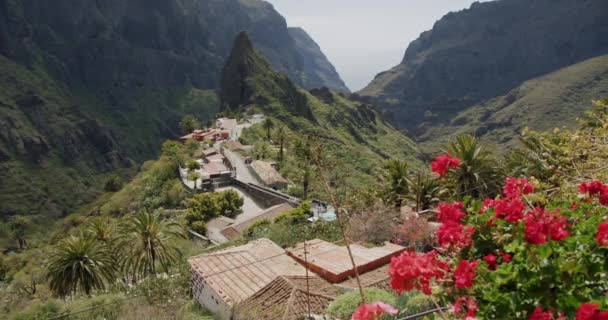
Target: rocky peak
[{"x": 248, "y": 79}]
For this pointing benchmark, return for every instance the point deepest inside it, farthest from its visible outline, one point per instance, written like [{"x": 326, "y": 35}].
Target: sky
[{"x": 364, "y": 37}]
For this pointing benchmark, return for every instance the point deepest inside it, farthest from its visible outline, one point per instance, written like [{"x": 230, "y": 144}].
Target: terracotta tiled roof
[
  {"x": 208, "y": 152},
  {"x": 267, "y": 173},
  {"x": 378, "y": 278},
  {"x": 287, "y": 298},
  {"x": 215, "y": 158},
  {"x": 332, "y": 262},
  {"x": 234, "y": 231},
  {"x": 239, "y": 272},
  {"x": 234, "y": 145},
  {"x": 214, "y": 167}
]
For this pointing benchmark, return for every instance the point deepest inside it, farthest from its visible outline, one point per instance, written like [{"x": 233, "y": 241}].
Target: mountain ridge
[{"x": 485, "y": 51}]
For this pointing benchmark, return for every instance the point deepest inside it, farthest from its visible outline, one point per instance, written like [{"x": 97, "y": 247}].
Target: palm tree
[
  {"x": 425, "y": 191},
  {"x": 478, "y": 174},
  {"x": 80, "y": 263},
  {"x": 193, "y": 176},
  {"x": 101, "y": 229},
  {"x": 268, "y": 125},
  {"x": 396, "y": 172},
  {"x": 281, "y": 135},
  {"x": 146, "y": 238},
  {"x": 19, "y": 226}
]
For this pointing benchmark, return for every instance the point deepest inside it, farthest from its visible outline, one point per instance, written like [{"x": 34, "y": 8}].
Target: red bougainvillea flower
[
  {"x": 373, "y": 311},
  {"x": 514, "y": 188},
  {"x": 465, "y": 273},
  {"x": 410, "y": 271},
  {"x": 491, "y": 260},
  {"x": 455, "y": 235},
  {"x": 587, "y": 311},
  {"x": 463, "y": 303},
  {"x": 574, "y": 206},
  {"x": 506, "y": 257},
  {"x": 602, "y": 234},
  {"x": 542, "y": 225},
  {"x": 442, "y": 164},
  {"x": 450, "y": 212},
  {"x": 595, "y": 188},
  {"x": 540, "y": 314},
  {"x": 511, "y": 210}
]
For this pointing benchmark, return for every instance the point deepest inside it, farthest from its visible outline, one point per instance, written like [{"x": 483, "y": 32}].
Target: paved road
[{"x": 243, "y": 172}]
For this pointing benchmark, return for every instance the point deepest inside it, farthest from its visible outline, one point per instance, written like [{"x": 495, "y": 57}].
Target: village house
[
  {"x": 332, "y": 263},
  {"x": 289, "y": 298},
  {"x": 268, "y": 174},
  {"x": 223, "y": 279},
  {"x": 208, "y": 135},
  {"x": 226, "y": 124}
]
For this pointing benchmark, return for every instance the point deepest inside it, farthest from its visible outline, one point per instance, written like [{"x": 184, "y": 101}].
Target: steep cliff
[
  {"x": 353, "y": 133},
  {"x": 485, "y": 51}
]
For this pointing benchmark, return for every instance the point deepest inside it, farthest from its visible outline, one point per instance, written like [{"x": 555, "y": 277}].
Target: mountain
[
  {"x": 352, "y": 132},
  {"x": 541, "y": 104},
  {"x": 484, "y": 52},
  {"x": 314, "y": 59},
  {"x": 89, "y": 87}
]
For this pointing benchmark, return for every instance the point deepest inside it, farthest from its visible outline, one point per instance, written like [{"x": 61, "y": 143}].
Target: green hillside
[
  {"x": 351, "y": 132},
  {"x": 552, "y": 101}
]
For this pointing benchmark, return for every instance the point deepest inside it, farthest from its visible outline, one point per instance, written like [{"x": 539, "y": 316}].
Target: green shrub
[
  {"x": 345, "y": 305},
  {"x": 199, "y": 227},
  {"x": 45, "y": 310},
  {"x": 113, "y": 184},
  {"x": 249, "y": 233}
]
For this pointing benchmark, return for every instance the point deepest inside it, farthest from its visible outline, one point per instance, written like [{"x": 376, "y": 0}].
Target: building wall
[{"x": 209, "y": 298}]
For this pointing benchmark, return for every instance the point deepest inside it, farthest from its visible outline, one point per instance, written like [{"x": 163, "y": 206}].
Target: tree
[
  {"x": 19, "y": 225},
  {"x": 80, "y": 263},
  {"x": 101, "y": 229},
  {"x": 477, "y": 174},
  {"x": 146, "y": 238},
  {"x": 194, "y": 176},
  {"x": 305, "y": 165},
  {"x": 281, "y": 137},
  {"x": 189, "y": 123},
  {"x": 262, "y": 150},
  {"x": 268, "y": 125},
  {"x": 396, "y": 173},
  {"x": 113, "y": 183},
  {"x": 193, "y": 165},
  {"x": 206, "y": 206},
  {"x": 425, "y": 191}
]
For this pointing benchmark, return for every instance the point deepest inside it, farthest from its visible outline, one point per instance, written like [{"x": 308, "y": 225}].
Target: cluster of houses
[
  {"x": 214, "y": 169},
  {"x": 261, "y": 280},
  {"x": 225, "y": 130}
]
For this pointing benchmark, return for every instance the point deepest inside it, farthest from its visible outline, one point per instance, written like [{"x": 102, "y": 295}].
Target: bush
[
  {"x": 113, "y": 184},
  {"x": 345, "y": 305},
  {"x": 206, "y": 206},
  {"x": 199, "y": 227}
]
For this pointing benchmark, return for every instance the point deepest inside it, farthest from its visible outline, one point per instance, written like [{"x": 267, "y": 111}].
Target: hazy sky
[{"x": 364, "y": 37}]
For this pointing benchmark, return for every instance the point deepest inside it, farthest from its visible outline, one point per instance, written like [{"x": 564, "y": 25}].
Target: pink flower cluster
[
  {"x": 595, "y": 188},
  {"x": 373, "y": 311},
  {"x": 452, "y": 233},
  {"x": 442, "y": 164},
  {"x": 413, "y": 271},
  {"x": 542, "y": 225}
]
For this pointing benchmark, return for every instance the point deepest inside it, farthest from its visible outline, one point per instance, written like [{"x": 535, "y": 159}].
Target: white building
[{"x": 223, "y": 279}]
